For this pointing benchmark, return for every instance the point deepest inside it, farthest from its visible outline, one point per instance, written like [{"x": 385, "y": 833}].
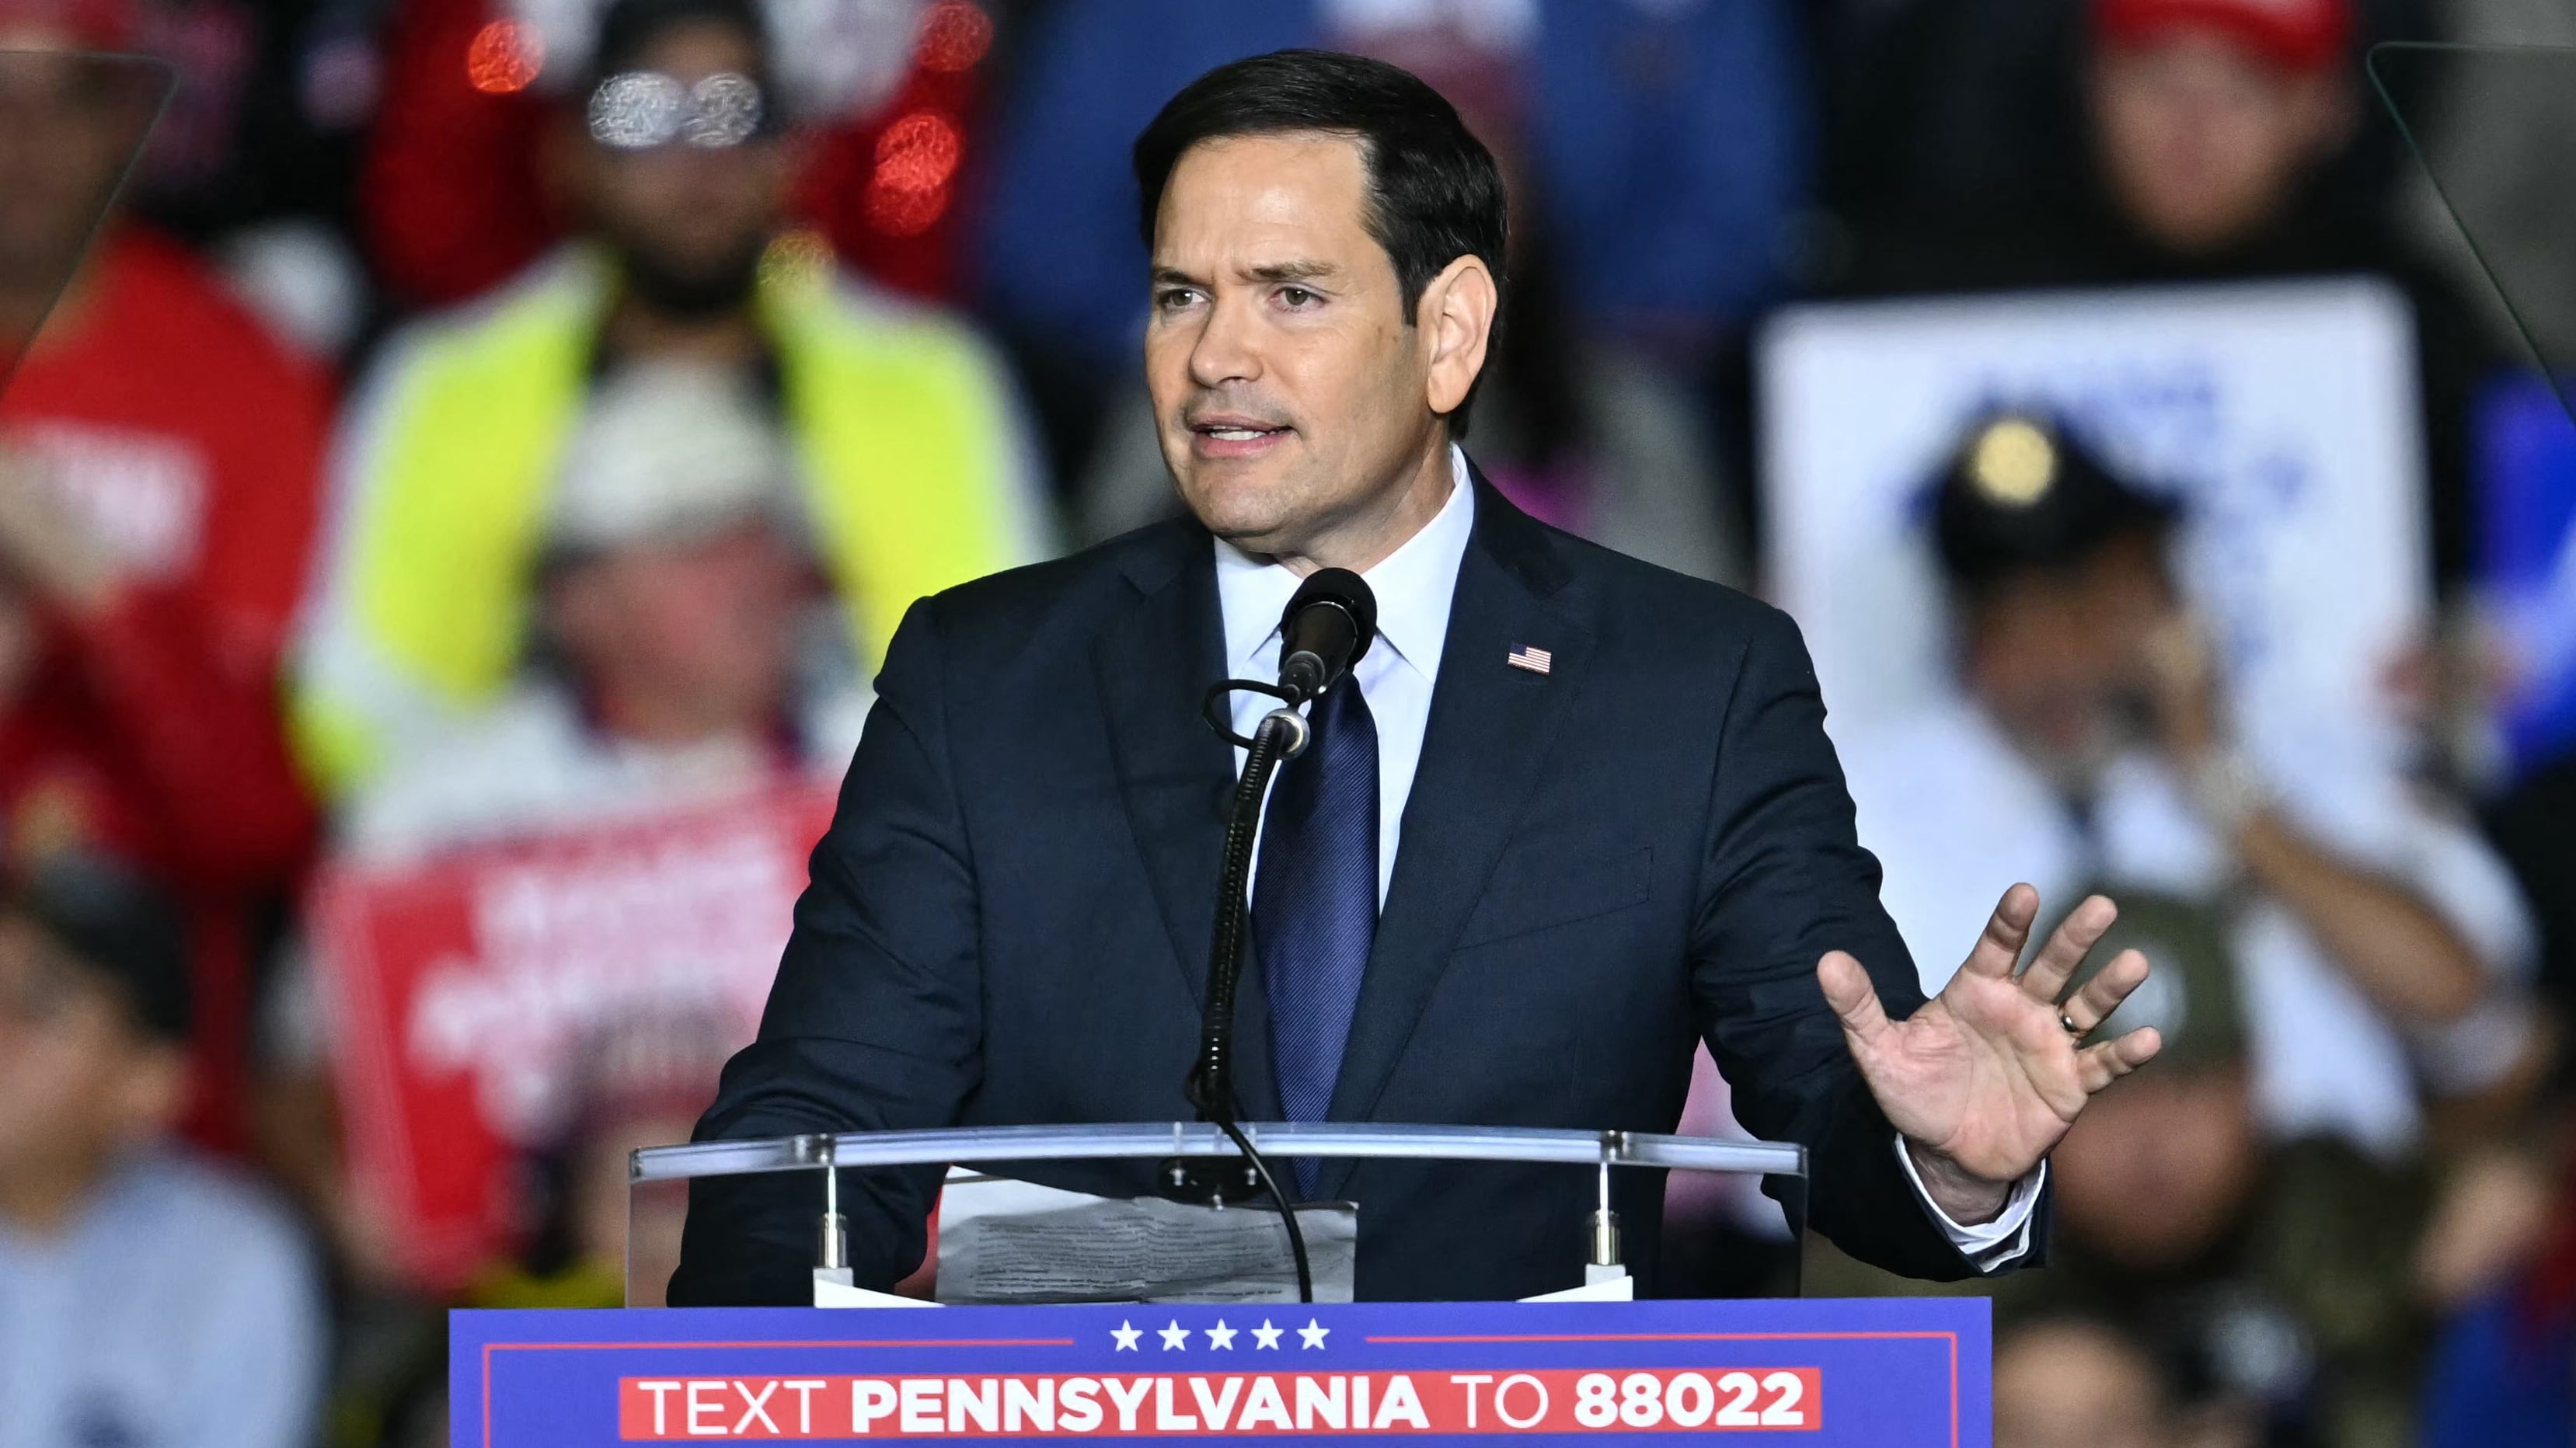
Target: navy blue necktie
[{"x": 1314, "y": 901}]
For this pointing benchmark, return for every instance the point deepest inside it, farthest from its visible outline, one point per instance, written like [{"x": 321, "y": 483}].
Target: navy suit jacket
[{"x": 1648, "y": 846}]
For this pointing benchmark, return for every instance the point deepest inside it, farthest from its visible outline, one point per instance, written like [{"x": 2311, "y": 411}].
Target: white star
[
  {"x": 1175, "y": 1337},
  {"x": 1221, "y": 1335},
  {"x": 1313, "y": 1332},
  {"x": 1127, "y": 1333},
  {"x": 1265, "y": 1335}
]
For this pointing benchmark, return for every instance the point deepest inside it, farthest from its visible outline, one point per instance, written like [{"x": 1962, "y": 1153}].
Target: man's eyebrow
[
  {"x": 1293, "y": 271},
  {"x": 1172, "y": 276}
]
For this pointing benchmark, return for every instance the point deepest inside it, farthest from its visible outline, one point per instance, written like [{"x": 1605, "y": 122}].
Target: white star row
[{"x": 1176, "y": 1338}]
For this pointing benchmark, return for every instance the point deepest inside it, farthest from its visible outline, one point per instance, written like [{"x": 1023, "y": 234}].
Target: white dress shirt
[{"x": 1414, "y": 586}]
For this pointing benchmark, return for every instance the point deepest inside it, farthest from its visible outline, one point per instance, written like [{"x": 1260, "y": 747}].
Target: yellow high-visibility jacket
[{"x": 916, "y": 468}]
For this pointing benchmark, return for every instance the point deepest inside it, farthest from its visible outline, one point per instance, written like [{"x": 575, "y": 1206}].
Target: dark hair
[
  {"x": 628, "y": 28},
  {"x": 1435, "y": 194},
  {"x": 116, "y": 927}
]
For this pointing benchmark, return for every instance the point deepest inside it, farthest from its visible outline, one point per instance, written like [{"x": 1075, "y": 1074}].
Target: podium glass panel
[
  {"x": 659, "y": 1176},
  {"x": 71, "y": 125}
]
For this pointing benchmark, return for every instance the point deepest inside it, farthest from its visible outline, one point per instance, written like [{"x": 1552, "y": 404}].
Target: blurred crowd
[{"x": 478, "y": 418}]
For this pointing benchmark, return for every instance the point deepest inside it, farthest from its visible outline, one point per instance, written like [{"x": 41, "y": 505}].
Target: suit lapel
[
  {"x": 1153, "y": 668},
  {"x": 1487, "y": 742}
]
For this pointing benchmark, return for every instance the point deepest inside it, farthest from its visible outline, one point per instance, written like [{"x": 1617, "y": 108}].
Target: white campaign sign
[{"x": 2284, "y": 413}]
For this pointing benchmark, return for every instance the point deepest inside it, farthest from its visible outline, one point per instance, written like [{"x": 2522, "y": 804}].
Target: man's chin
[{"x": 1248, "y": 511}]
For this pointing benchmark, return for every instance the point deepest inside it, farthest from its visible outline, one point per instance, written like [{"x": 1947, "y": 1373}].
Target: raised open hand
[{"x": 1986, "y": 1078}]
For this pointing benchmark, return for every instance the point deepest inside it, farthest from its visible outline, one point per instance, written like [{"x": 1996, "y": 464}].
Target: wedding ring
[{"x": 2072, "y": 1029}]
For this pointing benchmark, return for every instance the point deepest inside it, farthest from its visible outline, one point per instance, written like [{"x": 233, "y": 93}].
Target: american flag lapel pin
[{"x": 1537, "y": 661}]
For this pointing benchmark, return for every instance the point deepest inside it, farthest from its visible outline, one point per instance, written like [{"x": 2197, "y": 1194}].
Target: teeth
[{"x": 1237, "y": 434}]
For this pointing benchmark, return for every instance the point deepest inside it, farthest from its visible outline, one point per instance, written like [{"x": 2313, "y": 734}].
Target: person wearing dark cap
[
  {"x": 146, "y": 1296},
  {"x": 2383, "y": 943},
  {"x": 912, "y": 459}
]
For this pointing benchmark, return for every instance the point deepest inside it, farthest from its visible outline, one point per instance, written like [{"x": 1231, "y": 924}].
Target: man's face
[
  {"x": 2059, "y": 658},
  {"x": 67, "y": 126},
  {"x": 709, "y": 623},
  {"x": 77, "y": 1079},
  {"x": 2202, "y": 142},
  {"x": 2155, "y": 1172},
  {"x": 688, "y": 221},
  {"x": 1291, "y": 394}
]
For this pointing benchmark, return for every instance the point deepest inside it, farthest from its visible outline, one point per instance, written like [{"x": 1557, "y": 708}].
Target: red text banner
[{"x": 465, "y": 989}]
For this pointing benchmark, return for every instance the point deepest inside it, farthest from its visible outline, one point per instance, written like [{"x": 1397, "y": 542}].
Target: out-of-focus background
[{"x": 450, "y": 518}]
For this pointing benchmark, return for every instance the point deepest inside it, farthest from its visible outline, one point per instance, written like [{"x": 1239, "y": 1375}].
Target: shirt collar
[{"x": 1413, "y": 586}]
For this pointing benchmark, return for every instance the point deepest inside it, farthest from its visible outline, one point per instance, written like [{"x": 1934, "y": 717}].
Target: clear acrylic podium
[{"x": 658, "y": 1176}]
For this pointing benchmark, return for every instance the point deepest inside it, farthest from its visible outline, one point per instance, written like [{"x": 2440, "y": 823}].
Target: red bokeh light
[
  {"x": 954, "y": 35},
  {"x": 894, "y": 212},
  {"x": 918, "y": 153},
  {"x": 504, "y": 58}
]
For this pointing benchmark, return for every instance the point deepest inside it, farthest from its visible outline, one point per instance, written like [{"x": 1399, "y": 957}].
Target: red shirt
[{"x": 190, "y": 443}]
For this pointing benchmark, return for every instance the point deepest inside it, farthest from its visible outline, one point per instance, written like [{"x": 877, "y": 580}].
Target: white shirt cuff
[{"x": 1994, "y": 1244}]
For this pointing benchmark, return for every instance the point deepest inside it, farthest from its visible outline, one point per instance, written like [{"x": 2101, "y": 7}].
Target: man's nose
[{"x": 1228, "y": 348}]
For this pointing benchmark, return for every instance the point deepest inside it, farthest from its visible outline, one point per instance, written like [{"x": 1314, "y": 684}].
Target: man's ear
[{"x": 1456, "y": 318}]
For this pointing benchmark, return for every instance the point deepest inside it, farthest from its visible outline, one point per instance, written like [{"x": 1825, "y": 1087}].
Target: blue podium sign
[{"x": 1880, "y": 1372}]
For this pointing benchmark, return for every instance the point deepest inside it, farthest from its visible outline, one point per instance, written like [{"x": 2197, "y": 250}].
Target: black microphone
[{"x": 1326, "y": 629}]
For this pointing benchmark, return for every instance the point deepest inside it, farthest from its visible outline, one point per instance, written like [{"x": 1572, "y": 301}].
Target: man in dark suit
[{"x": 1568, "y": 815}]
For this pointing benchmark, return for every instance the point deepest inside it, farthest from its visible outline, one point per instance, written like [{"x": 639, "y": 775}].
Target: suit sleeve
[
  {"x": 875, "y": 1020},
  {"x": 1786, "y": 881}
]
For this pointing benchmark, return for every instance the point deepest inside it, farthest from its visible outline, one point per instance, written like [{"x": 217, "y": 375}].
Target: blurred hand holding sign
[{"x": 462, "y": 987}]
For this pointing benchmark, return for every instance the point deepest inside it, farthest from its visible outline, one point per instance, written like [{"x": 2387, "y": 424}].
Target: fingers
[
  {"x": 1998, "y": 951},
  {"x": 1849, "y": 991},
  {"x": 2058, "y": 959},
  {"x": 2102, "y": 1064},
  {"x": 2109, "y": 986}
]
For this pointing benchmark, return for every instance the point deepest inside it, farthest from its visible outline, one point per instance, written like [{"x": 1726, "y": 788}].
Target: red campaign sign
[
  {"x": 460, "y": 986},
  {"x": 1499, "y": 1400}
]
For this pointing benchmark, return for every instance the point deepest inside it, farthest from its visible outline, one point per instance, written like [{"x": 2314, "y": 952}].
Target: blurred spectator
[
  {"x": 145, "y": 1296},
  {"x": 2083, "y": 1382},
  {"x": 1579, "y": 429},
  {"x": 158, "y": 459},
  {"x": 674, "y": 594},
  {"x": 2218, "y": 135},
  {"x": 907, "y": 443},
  {"x": 2274, "y": 1283},
  {"x": 641, "y": 1082},
  {"x": 255, "y": 160},
  {"x": 2503, "y": 1372},
  {"x": 458, "y": 197},
  {"x": 2381, "y": 941},
  {"x": 1669, "y": 140}
]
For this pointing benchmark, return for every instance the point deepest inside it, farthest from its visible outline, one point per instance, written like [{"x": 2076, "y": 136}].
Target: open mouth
[{"x": 1234, "y": 436}]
